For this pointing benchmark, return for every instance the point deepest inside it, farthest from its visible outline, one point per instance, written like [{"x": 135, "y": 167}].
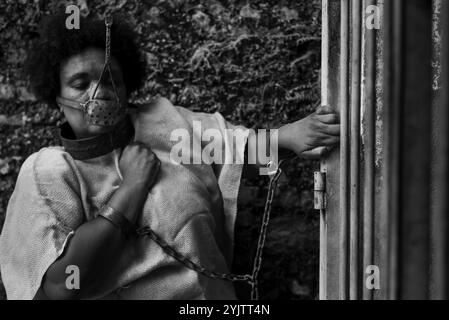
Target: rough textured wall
[{"x": 257, "y": 62}]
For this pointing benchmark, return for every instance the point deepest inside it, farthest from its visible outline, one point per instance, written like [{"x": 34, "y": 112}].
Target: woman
[{"x": 70, "y": 226}]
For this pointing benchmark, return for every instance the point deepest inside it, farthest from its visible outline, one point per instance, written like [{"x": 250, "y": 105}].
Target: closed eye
[
  {"x": 79, "y": 81},
  {"x": 80, "y": 85}
]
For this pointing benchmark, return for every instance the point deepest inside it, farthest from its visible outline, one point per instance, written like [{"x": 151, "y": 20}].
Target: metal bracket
[{"x": 319, "y": 190}]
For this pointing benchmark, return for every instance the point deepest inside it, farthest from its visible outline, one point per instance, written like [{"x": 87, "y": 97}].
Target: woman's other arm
[{"x": 97, "y": 244}]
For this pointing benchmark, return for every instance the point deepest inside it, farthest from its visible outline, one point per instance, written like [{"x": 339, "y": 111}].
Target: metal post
[{"x": 368, "y": 133}]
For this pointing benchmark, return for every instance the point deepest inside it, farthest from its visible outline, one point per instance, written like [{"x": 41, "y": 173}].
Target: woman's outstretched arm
[{"x": 302, "y": 137}]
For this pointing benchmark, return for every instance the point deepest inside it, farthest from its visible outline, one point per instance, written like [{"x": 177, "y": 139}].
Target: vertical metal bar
[
  {"x": 355, "y": 155},
  {"x": 330, "y": 221},
  {"x": 344, "y": 150},
  {"x": 394, "y": 277},
  {"x": 440, "y": 175},
  {"x": 438, "y": 161},
  {"x": 444, "y": 211},
  {"x": 415, "y": 149},
  {"x": 381, "y": 192},
  {"x": 368, "y": 144},
  {"x": 436, "y": 276},
  {"x": 324, "y": 100},
  {"x": 392, "y": 21}
]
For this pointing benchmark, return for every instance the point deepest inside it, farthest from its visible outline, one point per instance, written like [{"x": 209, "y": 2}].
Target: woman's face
[{"x": 78, "y": 75}]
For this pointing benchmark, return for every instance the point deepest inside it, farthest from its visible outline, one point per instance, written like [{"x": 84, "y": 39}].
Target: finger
[
  {"x": 330, "y": 129},
  {"x": 313, "y": 154},
  {"x": 331, "y": 118},
  {"x": 331, "y": 141},
  {"x": 325, "y": 110}
]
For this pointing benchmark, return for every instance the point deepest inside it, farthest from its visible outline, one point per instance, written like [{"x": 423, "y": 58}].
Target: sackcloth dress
[{"x": 192, "y": 206}]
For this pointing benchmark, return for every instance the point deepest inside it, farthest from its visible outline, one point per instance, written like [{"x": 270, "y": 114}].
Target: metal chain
[
  {"x": 250, "y": 279},
  {"x": 147, "y": 231},
  {"x": 107, "y": 64},
  {"x": 108, "y": 22},
  {"x": 263, "y": 232}
]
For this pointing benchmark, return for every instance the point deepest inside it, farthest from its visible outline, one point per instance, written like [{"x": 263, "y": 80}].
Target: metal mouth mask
[
  {"x": 98, "y": 112},
  {"x": 101, "y": 112}
]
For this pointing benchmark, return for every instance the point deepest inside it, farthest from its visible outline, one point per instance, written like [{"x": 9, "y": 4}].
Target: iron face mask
[{"x": 101, "y": 112}]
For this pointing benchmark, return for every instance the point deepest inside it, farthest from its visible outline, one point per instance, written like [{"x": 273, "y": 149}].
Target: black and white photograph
[{"x": 224, "y": 150}]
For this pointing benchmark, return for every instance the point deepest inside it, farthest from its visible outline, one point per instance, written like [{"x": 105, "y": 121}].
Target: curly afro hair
[{"x": 56, "y": 43}]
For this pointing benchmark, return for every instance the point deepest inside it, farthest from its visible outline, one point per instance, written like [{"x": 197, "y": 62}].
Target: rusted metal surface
[
  {"x": 440, "y": 176},
  {"x": 444, "y": 209},
  {"x": 438, "y": 289},
  {"x": 380, "y": 222},
  {"x": 444, "y": 177},
  {"x": 368, "y": 136},
  {"x": 391, "y": 172}
]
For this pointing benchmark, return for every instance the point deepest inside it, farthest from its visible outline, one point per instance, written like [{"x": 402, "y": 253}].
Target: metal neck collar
[{"x": 88, "y": 148}]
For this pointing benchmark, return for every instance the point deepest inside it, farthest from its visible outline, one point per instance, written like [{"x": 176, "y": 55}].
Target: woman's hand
[
  {"x": 139, "y": 166},
  {"x": 312, "y": 136}
]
